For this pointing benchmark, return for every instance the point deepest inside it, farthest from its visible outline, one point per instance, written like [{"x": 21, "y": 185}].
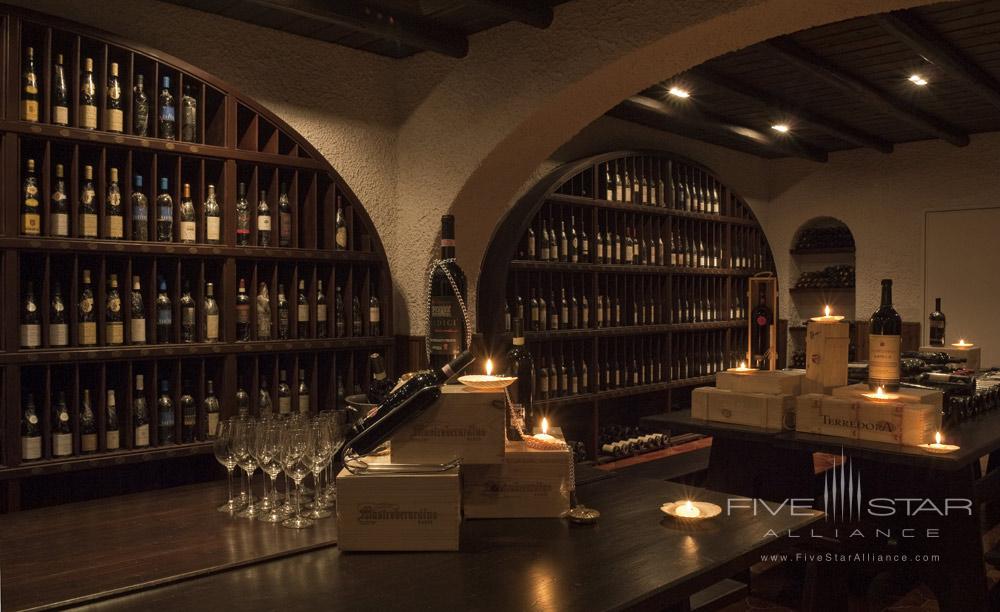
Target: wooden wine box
[
  {"x": 827, "y": 346},
  {"x": 972, "y": 356},
  {"x": 931, "y": 397},
  {"x": 463, "y": 424},
  {"x": 893, "y": 422},
  {"x": 768, "y": 411},
  {"x": 399, "y": 512},
  {"x": 777, "y": 382},
  {"x": 529, "y": 483}
]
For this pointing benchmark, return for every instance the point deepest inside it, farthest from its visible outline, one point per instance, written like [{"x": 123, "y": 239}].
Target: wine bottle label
[
  {"x": 88, "y": 117},
  {"x": 543, "y": 385},
  {"x": 167, "y": 113},
  {"x": 29, "y": 110},
  {"x": 189, "y": 420},
  {"x": 212, "y": 229},
  {"x": 115, "y": 227},
  {"x": 62, "y": 444},
  {"x": 531, "y": 247},
  {"x": 31, "y": 222},
  {"x": 138, "y": 329},
  {"x": 263, "y": 327},
  {"x": 31, "y": 447},
  {"x": 341, "y": 237},
  {"x": 212, "y": 330},
  {"x": 188, "y": 231},
  {"x": 88, "y": 225},
  {"x": 142, "y": 435},
  {"x": 113, "y": 118},
  {"x": 59, "y": 334},
  {"x": 447, "y": 325},
  {"x": 164, "y": 316},
  {"x": 303, "y": 404},
  {"x": 302, "y": 313},
  {"x": 88, "y": 333},
  {"x": 60, "y": 115},
  {"x": 88, "y": 443},
  {"x": 285, "y": 229},
  {"x": 111, "y": 440},
  {"x": 284, "y": 405},
  {"x": 937, "y": 333},
  {"x": 213, "y": 423},
  {"x": 321, "y": 312},
  {"x": 374, "y": 314},
  {"x": 31, "y": 335},
  {"x": 60, "y": 224},
  {"x": 883, "y": 359},
  {"x": 187, "y": 317},
  {"x": 242, "y": 313},
  {"x": 264, "y": 223},
  {"x": 115, "y": 332}
]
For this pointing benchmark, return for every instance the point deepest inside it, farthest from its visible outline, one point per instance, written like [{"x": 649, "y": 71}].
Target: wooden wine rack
[
  {"x": 237, "y": 141},
  {"x": 588, "y": 192}
]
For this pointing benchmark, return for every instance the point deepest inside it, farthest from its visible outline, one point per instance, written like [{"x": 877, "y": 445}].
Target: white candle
[
  {"x": 827, "y": 317},
  {"x": 881, "y": 395},
  {"x": 938, "y": 446},
  {"x": 544, "y": 436},
  {"x": 742, "y": 369},
  {"x": 962, "y": 344},
  {"x": 687, "y": 510}
]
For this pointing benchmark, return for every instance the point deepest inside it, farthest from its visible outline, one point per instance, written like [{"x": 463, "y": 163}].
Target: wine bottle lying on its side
[{"x": 405, "y": 403}]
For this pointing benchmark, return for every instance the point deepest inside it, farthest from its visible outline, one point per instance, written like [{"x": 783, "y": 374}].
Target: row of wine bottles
[
  {"x": 273, "y": 227},
  {"x": 644, "y": 181},
  {"x": 841, "y": 276},
  {"x": 163, "y": 329},
  {"x": 819, "y": 238},
  {"x": 621, "y": 441},
  {"x": 171, "y": 123}
]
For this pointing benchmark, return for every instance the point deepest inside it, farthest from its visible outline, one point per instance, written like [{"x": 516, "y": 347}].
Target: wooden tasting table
[
  {"x": 635, "y": 557},
  {"x": 779, "y": 465}
]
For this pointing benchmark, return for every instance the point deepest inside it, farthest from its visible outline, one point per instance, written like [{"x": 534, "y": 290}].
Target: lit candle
[
  {"x": 544, "y": 436},
  {"x": 487, "y": 381},
  {"x": 687, "y": 510},
  {"x": 962, "y": 344},
  {"x": 489, "y": 367},
  {"x": 880, "y": 395},
  {"x": 938, "y": 447},
  {"x": 742, "y": 369},
  {"x": 827, "y": 317}
]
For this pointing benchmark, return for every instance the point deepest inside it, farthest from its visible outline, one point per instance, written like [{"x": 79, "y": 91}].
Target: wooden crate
[
  {"x": 778, "y": 382},
  {"x": 907, "y": 396},
  {"x": 528, "y": 484},
  {"x": 826, "y": 354},
  {"x": 972, "y": 356},
  {"x": 767, "y": 411},
  {"x": 399, "y": 512},
  {"x": 464, "y": 424},
  {"x": 891, "y": 422}
]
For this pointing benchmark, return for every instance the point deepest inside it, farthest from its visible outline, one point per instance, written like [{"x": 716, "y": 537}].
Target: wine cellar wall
[
  {"x": 630, "y": 272},
  {"x": 159, "y": 225}
]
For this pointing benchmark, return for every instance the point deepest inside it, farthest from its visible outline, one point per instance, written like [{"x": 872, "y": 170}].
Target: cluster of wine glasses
[{"x": 296, "y": 446}]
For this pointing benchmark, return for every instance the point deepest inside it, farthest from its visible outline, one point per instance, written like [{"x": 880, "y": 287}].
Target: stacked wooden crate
[{"x": 758, "y": 399}]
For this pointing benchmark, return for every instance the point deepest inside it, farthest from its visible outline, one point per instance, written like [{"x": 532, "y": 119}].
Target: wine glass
[
  {"x": 222, "y": 447},
  {"x": 257, "y": 448},
  {"x": 243, "y": 440},
  {"x": 339, "y": 424},
  {"x": 320, "y": 455},
  {"x": 295, "y": 449},
  {"x": 269, "y": 442}
]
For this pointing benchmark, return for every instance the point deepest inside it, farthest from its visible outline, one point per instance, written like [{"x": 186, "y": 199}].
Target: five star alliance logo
[{"x": 842, "y": 492}]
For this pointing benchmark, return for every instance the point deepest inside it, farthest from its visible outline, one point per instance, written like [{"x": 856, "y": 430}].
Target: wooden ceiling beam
[
  {"x": 799, "y": 115},
  {"x": 912, "y": 32},
  {"x": 650, "y": 110},
  {"x": 364, "y": 18},
  {"x": 529, "y": 12},
  {"x": 809, "y": 62}
]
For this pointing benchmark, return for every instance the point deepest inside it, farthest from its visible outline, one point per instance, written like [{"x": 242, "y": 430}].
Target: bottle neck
[
  {"x": 447, "y": 248},
  {"x": 886, "y": 294},
  {"x": 937, "y": 304}
]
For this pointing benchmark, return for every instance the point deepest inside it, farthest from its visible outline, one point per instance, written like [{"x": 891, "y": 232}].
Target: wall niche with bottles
[
  {"x": 629, "y": 270},
  {"x": 159, "y": 226}
]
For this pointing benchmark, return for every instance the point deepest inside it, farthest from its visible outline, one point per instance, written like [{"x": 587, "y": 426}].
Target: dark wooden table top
[
  {"x": 77, "y": 552},
  {"x": 634, "y": 555},
  {"x": 976, "y": 437}
]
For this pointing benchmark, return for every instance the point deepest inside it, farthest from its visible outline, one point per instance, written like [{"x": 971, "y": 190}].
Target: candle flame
[
  {"x": 545, "y": 425},
  {"x": 826, "y": 311},
  {"x": 743, "y": 365},
  {"x": 688, "y": 507},
  {"x": 880, "y": 392},
  {"x": 489, "y": 367},
  {"x": 937, "y": 437},
  {"x": 961, "y": 341}
]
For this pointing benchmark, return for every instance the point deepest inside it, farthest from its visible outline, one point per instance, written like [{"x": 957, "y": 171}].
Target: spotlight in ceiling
[
  {"x": 678, "y": 92},
  {"x": 918, "y": 80},
  {"x": 780, "y": 127}
]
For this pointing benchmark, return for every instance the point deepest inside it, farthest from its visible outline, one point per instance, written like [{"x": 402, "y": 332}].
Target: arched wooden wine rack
[
  {"x": 654, "y": 196},
  {"x": 236, "y": 140}
]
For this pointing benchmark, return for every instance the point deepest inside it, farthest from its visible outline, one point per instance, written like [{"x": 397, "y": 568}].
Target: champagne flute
[
  {"x": 270, "y": 457},
  {"x": 222, "y": 447},
  {"x": 257, "y": 449},
  {"x": 320, "y": 455},
  {"x": 242, "y": 449},
  {"x": 294, "y": 450}
]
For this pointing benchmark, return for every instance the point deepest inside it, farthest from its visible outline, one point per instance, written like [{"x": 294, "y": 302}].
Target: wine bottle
[
  {"x": 112, "y": 436},
  {"x": 284, "y": 394},
  {"x": 242, "y": 402},
  {"x": 211, "y": 310},
  {"x": 88, "y": 425},
  {"x": 140, "y": 414},
  {"x": 340, "y": 226},
  {"x": 88, "y": 96},
  {"x": 88, "y": 208},
  {"x": 114, "y": 325},
  {"x": 303, "y": 393},
  {"x": 114, "y": 221},
  {"x": 188, "y": 314},
  {"x": 213, "y": 217},
  {"x": 60, "y": 93},
  {"x": 164, "y": 212},
  {"x": 58, "y": 207},
  {"x": 212, "y": 411},
  {"x": 264, "y": 406},
  {"x": 321, "y": 331},
  {"x": 168, "y": 113},
  {"x": 263, "y": 220},
  {"x": 58, "y": 327},
  {"x": 405, "y": 403},
  {"x": 189, "y": 116},
  {"x": 242, "y": 313},
  {"x": 357, "y": 323},
  {"x": 936, "y": 327},
  {"x": 31, "y": 215},
  {"x": 380, "y": 385},
  {"x": 62, "y": 432},
  {"x": 113, "y": 114},
  {"x": 447, "y": 323},
  {"x": 31, "y": 434},
  {"x": 263, "y": 313},
  {"x": 284, "y": 324},
  {"x": 374, "y": 316},
  {"x": 242, "y": 216},
  {"x": 164, "y": 315},
  {"x": 284, "y": 218},
  {"x": 87, "y": 316},
  {"x": 885, "y": 327},
  {"x": 137, "y": 308},
  {"x": 140, "y": 108},
  {"x": 521, "y": 365},
  {"x": 302, "y": 311},
  {"x": 31, "y": 323},
  {"x": 340, "y": 321},
  {"x": 165, "y": 432},
  {"x": 762, "y": 318},
  {"x": 189, "y": 413},
  {"x": 29, "y": 88},
  {"x": 140, "y": 211},
  {"x": 188, "y": 217}
]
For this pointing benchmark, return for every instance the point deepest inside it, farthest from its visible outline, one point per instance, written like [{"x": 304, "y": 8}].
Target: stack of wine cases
[
  {"x": 648, "y": 327},
  {"x": 330, "y": 240}
]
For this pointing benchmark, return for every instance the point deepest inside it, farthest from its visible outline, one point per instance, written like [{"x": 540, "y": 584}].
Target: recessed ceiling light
[
  {"x": 678, "y": 92},
  {"x": 780, "y": 127},
  {"x": 918, "y": 80}
]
